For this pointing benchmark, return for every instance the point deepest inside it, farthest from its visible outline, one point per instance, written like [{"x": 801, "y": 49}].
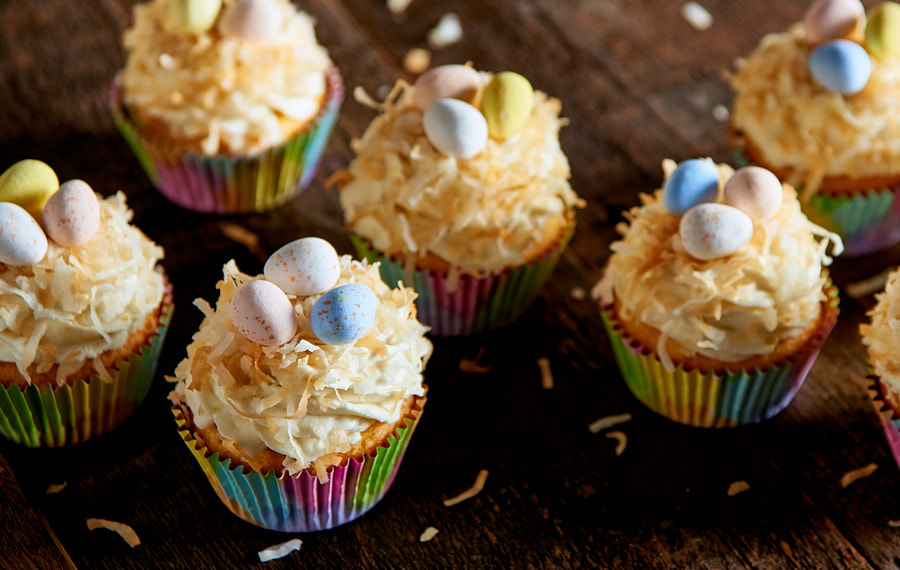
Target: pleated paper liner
[
  {"x": 233, "y": 184},
  {"x": 52, "y": 416},
  {"x": 300, "y": 503},
  {"x": 719, "y": 398},
  {"x": 890, "y": 421},
  {"x": 474, "y": 304}
]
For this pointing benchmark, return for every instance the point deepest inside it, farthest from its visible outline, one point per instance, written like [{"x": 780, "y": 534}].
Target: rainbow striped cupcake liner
[
  {"x": 301, "y": 503},
  {"x": 719, "y": 398},
  {"x": 233, "y": 184},
  {"x": 890, "y": 421},
  {"x": 53, "y": 416}
]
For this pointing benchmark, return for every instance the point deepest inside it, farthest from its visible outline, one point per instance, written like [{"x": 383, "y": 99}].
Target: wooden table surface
[{"x": 639, "y": 84}]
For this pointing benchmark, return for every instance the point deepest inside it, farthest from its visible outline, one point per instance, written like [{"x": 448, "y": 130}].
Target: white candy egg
[
  {"x": 710, "y": 231},
  {"x": 831, "y": 19},
  {"x": 253, "y": 20},
  {"x": 755, "y": 191},
  {"x": 72, "y": 214},
  {"x": 22, "y": 241},
  {"x": 263, "y": 314},
  {"x": 306, "y": 266},
  {"x": 455, "y": 128},
  {"x": 446, "y": 82}
]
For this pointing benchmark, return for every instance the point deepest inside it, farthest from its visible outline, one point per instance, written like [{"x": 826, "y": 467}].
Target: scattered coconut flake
[
  {"x": 737, "y": 487},
  {"x": 428, "y": 534},
  {"x": 277, "y": 551},
  {"x": 868, "y": 285},
  {"x": 546, "y": 374},
  {"x": 607, "y": 422},
  {"x": 447, "y": 32},
  {"x": 397, "y": 6},
  {"x": 786, "y": 548},
  {"x": 467, "y": 365},
  {"x": 894, "y": 524},
  {"x": 417, "y": 60},
  {"x": 854, "y": 475},
  {"x": 620, "y": 437},
  {"x": 697, "y": 16},
  {"x": 243, "y": 236},
  {"x": 55, "y": 488},
  {"x": 166, "y": 61},
  {"x": 468, "y": 494},
  {"x": 720, "y": 113},
  {"x": 126, "y": 532},
  {"x": 578, "y": 293}
]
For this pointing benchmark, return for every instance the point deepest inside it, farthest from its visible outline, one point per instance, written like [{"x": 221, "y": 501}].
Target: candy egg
[
  {"x": 343, "y": 314},
  {"x": 883, "y": 30},
  {"x": 506, "y": 103},
  {"x": 693, "y": 182},
  {"x": 22, "y": 241},
  {"x": 754, "y": 191},
  {"x": 306, "y": 266},
  {"x": 28, "y": 183},
  {"x": 72, "y": 214},
  {"x": 709, "y": 231},
  {"x": 194, "y": 16},
  {"x": 446, "y": 82},
  {"x": 262, "y": 313},
  {"x": 455, "y": 128},
  {"x": 841, "y": 66},
  {"x": 827, "y": 20},
  {"x": 253, "y": 20}
]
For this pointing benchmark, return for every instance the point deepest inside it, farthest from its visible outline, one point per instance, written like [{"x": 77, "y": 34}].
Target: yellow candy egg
[
  {"x": 883, "y": 30},
  {"x": 506, "y": 104},
  {"x": 194, "y": 16},
  {"x": 28, "y": 183}
]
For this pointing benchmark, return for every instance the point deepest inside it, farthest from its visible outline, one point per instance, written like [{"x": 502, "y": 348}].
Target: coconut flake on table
[
  {"x": 737, "y": 487},
  {"x": 546, "y": 374},
  {"x": 697, "y": 16},
  {"x": 471, "y": 492},
  {"x": 126, "y": 532},
  {"x": 447, "y": 32},
  {"x": 473, "y": 366},
  {"x": 398, "y": 6},
  {"x": 607, "y": 422},
  {"x": 854, "y": 475},
  {"x": 428, "y": 534},
  {"x": 417, "y": 60},
  {"x": 55, "y": 488},
  {"x": 622, "y": 440},
  {"x": 277, "y": 551}
]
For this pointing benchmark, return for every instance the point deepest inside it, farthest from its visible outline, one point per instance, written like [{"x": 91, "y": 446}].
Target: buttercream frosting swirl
[{"x": 882, "y": 335}]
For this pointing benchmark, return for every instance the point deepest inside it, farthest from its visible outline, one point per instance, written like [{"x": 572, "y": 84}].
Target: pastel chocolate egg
[
  {"x": 455, "y": 128},
  {"x": 446, "y": 82},
  {"x": 755, "y": 191},
  {"x": 253, "y": 20},
  {"x": 841, "y": 66},
  {"x": 194, "y": 16},
  {"x": 827, "y": 20},
  {"x": 343, "y": 314},
  {"x": 22, "y": 241},
  {"x": 28, "y": 183},
  {"x": 883, "y": 30},
  {"x": 306, "y": 266},
  {"x": 693, "y": 182},
  {"x": 710, "y": 231},
  {"x": 72, "y": 214},
  {"x": 506, "y": 103},
  {"x": 263, "y": 314}
]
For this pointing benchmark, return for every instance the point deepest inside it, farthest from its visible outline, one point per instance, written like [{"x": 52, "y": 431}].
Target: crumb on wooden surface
[
  {"x": 471, "y": 492},
  {"x": 428, "y": 534},
  {"x": 697, "y": 16},
  {"x": 606, "y": 422},
  {"x": 56, "y": 488},
  {"x": 473, "y": 366},
  {"x": 738, "y": 487},
  {"x": 578, "y": 293},
  {"x": 417, "y": 60},
  {"x": 621, "y": 438},
  {"x": 277, "y": 551},
  {"x": 546, "y": 374},
  {"x": 855, "y": 475},
  {"x": 126, "y": 532},
  {"x": 447, "y": 32}
]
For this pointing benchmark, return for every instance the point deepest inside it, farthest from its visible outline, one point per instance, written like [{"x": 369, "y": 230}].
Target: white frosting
[
  {"x": 882, "y": 336},
  {"x": 304, "y": 399}
]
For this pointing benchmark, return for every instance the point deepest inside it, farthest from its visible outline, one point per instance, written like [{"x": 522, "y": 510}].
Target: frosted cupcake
[
  {"x": 83, "y": 314},
  {"x": 227, "y": 105},
  {"x": 715, "y": 299},
  {"x": 302, "y": 388},
  {"x": 817, "y": 106},
  {"x": 459, "y": 187}
]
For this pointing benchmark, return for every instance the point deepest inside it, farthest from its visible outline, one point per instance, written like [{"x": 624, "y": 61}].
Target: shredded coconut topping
[
  {"x": 882, "y": 336},
  {"x": 77, "y": 303},
  {"x": 480, "y": 214},
  {"x": 730, "y": 308},
  {"x": 303, "y": 399},
  {"x": 797, "y": 124},
  {"x": 221, "y": 95}
]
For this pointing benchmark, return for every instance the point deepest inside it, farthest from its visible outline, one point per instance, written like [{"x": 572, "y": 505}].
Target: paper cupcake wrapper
[
  {"x": 234, "y": 184},
  {"x": 721, "y": 398},
  {"x": 52, "y": 416},
  {"x": 890, "y": 421},
  {"x": 867, "y": 220},
  {"x": 301, "y": 503}
]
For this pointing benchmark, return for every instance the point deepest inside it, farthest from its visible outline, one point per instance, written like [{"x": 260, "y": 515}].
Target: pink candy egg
[
  {"x": 710, "y": 231},
  {"x": 263, "y": 314},
  {"x": 72, "y": 214},
  {"x": 252, "y": 20},
  {"x": 22, "y": 241},
  {"x": 754, "y": 191},
  {"x": 446, "y": 82},
  {"x": 306, "y": 266},
  {"x": 827, "y": 20}
]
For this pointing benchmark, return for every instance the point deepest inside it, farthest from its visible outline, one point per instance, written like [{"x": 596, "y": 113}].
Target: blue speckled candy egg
[
  {"x": 841, "y": 66},
  {"x": 343, "y": 314},
  {"x": 695, "y": 181}
]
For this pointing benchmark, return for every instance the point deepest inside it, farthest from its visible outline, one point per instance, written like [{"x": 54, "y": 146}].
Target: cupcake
[
  {"x": 227, "y": 105},
  {"x": 84, "y": 309},
  {"x": 460, "y": 189},
  {"x": 715, "y": 300},
  {"x": 302, "y": 388},
  {"x": 816, "y": 105}
]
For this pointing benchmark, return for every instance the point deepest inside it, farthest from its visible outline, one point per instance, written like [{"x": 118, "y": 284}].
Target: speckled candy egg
[
  {"x": 831, "y": 19},
  {"x": 22, "y": 241},
  {"x": 693, "y": 182},
  {"x": 883, "y": 30},
  {"x": 446, "y": 82},
  {"x": 343, "y": 314},
  {"x": 72, "y": 214},
  {"x": 194, "y": 16},
  {"x": 28, "y": 183},
  {"x": 455, "y": 128},
  {"x": 262, "y": 313},
  {"x": 506, "y": 104},
  {"x": 710, "y": 231},
  {"x": 841, "y": 66},
  {"x": 306, "y": 266},
  {"x": 253, "y": 20},
  {"x": 754, "y": 191}
]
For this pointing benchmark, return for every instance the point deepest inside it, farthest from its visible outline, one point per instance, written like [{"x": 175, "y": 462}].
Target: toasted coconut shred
[
  {"x": 428, "y": 534},
  {"x": 126, "y": 532},
  {"x": 303, "y": 399},
  {"x": 469, "y": 493},
  {"x": 473, "y": 366},
  {"x": 882, "y": 334},
  {"x": 53, "y": 489},
  {"x": 730, "y": 308},
  {"x": 279, "y": 550},
  {"x": 621, "y": 441},
  {"x": 77, "y": 303},
  {"x": 855, "y": 475},
  {"x": 737, "y": 487},
  {"x": 607, "y": 422}
]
